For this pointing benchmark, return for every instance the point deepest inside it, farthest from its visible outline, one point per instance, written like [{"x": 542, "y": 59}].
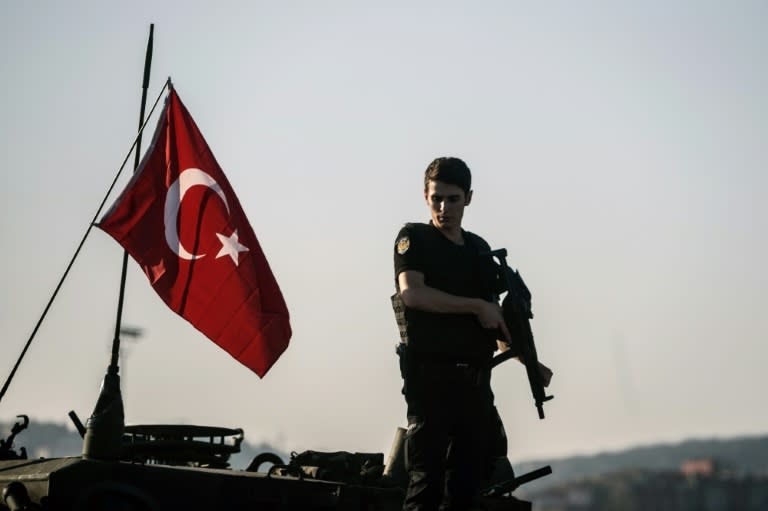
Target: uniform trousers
[{"x": 450, "y": 409}]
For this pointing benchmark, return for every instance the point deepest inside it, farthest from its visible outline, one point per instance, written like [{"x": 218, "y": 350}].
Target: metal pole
[
  {"x": 104, "y": 429},
  {"x": 113, "y": 365}
]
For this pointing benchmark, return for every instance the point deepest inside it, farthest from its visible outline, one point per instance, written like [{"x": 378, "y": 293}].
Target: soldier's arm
[{"x": 417, "y": 295}]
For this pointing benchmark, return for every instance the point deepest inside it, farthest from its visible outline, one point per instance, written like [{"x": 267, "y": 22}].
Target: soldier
[{"x": 450, "y": 323}]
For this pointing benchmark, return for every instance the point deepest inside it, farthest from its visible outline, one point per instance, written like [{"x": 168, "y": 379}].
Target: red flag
[{"x": 181, "y": 221}]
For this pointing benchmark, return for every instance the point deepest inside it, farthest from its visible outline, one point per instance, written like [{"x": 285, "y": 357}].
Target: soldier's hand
[
  {"x": 490, "y": 315},
  {"x": 545, "y": 373}
]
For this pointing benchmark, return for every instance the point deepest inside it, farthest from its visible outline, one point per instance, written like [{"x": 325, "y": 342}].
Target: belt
[
  {"x": 449, "y": 361},
  {"x": 469, "y": 371}
]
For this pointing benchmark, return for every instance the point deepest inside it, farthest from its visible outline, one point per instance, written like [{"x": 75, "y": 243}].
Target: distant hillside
[
  {"x": 53, "y": 440},
  {"x": 741, "y": 455}
]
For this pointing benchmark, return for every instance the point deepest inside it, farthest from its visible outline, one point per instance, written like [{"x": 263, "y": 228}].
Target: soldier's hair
[{"x": 450, "y": 170}]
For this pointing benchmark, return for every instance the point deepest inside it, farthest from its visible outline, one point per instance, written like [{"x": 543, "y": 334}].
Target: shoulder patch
[{"x": 403, "y": 244}]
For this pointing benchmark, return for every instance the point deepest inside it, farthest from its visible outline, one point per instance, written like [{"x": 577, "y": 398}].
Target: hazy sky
[{"x": 618, "y": 152}]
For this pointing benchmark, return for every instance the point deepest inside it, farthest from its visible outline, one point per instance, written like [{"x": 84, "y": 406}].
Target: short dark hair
[{"x": 450, "y": 170}]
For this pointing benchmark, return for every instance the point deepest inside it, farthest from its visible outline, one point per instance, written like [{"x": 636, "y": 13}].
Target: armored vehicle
[{"x": 164, "y": 467}]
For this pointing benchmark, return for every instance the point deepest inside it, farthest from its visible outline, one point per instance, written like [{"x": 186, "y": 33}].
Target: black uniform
[{"x": 446, "y": 369}]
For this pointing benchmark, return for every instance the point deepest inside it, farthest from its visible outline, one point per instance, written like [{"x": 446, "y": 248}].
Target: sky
[{"x": 618, "y": 153}]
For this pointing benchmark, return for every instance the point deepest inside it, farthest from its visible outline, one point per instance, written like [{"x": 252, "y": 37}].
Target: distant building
[{"x": 699, "y": 467}]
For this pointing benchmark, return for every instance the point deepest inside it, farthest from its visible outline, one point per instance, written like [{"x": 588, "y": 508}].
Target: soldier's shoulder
[
  {"x": 414, "y": 229},
  {"x": 411, "y": 234},
  {"x": 416, "y": 226},
  {"x": 477, "y": 241}
]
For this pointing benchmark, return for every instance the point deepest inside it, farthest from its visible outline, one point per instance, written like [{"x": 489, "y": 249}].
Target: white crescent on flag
[{"x": 186, "y": 180}]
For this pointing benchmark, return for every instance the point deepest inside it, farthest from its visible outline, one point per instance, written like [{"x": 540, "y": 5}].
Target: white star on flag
[{"x": 230, "y": 246}]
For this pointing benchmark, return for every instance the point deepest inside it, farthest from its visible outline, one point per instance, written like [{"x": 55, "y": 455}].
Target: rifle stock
[{"x": 517, "y": 316}]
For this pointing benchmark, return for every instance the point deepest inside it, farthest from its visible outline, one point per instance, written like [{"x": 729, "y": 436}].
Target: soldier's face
[{"x": 446, "y": 203}]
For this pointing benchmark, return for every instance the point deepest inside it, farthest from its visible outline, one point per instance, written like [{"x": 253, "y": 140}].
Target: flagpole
[
  {"x": 113, "y": 364},
  {"x": 104, "y": 429}
]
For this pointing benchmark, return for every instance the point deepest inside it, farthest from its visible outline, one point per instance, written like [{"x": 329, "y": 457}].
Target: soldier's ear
[{"x": 468, "y": 199}]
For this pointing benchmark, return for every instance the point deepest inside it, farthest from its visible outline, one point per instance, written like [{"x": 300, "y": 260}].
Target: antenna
[{"x": 104, "y": 429}]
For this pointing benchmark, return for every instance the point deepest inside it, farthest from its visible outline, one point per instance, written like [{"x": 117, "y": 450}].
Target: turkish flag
[{"x": 181, "y": 221}]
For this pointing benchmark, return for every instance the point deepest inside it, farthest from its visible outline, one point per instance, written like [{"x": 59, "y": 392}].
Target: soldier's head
[
  {"x": 451, "y": 171},
  {"x": 447, "y": 190}
]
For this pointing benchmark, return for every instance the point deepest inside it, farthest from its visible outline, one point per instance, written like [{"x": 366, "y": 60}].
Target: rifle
[
  {"x": 517, "y": 316},
  {"x": 511, "y": 485}
]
